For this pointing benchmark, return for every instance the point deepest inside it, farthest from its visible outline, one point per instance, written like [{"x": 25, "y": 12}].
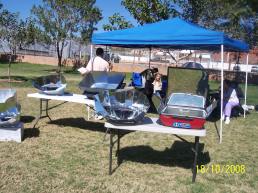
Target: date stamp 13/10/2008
[{"x": 221, "y": 169}]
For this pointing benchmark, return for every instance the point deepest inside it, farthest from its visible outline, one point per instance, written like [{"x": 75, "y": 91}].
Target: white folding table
[
  {"x": 67, "y": 97},
  {"x": 152, "y": 125}
]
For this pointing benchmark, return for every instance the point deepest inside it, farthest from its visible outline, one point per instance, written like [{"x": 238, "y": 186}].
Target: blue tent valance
[{"x": 173, "y": 33}]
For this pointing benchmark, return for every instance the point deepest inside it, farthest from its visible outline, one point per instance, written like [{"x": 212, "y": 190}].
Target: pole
[
  {"x": 221, "y": 93},
  {"x": 246, "y": 79},
  {"x": 149, "y": 57},
  {"x": 133, "y": 57},
  {"x": 91, "y": 51},
  {"x": 228, "y": 61},
  {"x": 91, "y": 56},
  {"x": 106, "y": 53}
]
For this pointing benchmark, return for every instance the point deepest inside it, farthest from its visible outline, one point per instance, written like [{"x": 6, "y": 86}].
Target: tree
[
  {"x": 32, "y": 33},
  {"x": 237, "y": 18},
  {"x": 12, "y": 31},
  {"x": 150, "y": 11},
  {"x": 61, "y": 20},
  {"x": 116, "y": 22},
  {"x": 196, "y": 11}
]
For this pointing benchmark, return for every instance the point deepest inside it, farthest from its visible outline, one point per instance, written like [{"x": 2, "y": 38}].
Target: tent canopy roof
[{"x": 173, "y": 33}]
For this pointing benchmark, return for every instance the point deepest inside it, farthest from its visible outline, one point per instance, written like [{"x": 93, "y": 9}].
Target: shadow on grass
[
  {"x": 30, "y": 133},
  {"x": 16, "y": 81},
  {"x": 65, "y": 71},
  {"x": 27, "y": 119},
  {"x": 80, "y": 123},
  {"x": 16, "y": 78},
  {"x": 53, "y": 70},
  {"x": 213, "y": 118},
  {"x": 71, "y": 71},
  {"x": 180, "y": 154}
]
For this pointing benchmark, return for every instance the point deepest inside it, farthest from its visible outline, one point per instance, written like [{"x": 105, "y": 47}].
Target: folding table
[
  {"x": 152, "y": 125},
  {"x": 67, "y": 97}
]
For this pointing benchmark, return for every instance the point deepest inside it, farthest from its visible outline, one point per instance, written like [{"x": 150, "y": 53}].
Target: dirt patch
[{"x": 7, "y": 80}]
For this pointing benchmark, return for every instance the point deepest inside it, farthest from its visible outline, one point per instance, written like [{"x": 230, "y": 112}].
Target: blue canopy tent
[{"x": 176, "y": 34}]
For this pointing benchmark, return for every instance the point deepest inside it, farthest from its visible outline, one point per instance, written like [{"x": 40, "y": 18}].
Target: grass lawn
[{"x": 69, "y": 155}]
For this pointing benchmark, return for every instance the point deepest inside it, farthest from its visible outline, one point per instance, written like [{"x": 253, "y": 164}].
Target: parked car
[
  {"x": 254, "y": 69},
  {"x": 116, "y": 58},
  {"x": 159, "y": 59},
  {"x": 236, "y": 68},
  {"x": 192, "y": 65},
  {"x": 106, "y": 56},
  {"x": 156, "y": 59}
]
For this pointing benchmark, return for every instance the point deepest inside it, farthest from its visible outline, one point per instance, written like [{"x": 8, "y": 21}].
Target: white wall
[
  {"x": 132, "y": 59},
  {"x": 217, "y": 65}
]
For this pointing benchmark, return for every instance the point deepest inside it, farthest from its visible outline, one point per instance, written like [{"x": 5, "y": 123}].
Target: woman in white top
[{"x": 230, "y": 100}]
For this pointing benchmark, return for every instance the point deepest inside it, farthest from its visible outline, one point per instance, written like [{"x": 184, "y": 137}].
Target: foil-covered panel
[
  {"x": 122, "y": 106},
  {"x": 184, "y": 112},
  {"x": 51, "y": 84},
  {"x": 9, "y": 109},
  {"x": 187, "y": 100},
  {"x": 95, "y": 81},
  {"x": 185, "y": 105}
]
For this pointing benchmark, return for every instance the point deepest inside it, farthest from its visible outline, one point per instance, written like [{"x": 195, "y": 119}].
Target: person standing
[
  {"x": 96, "y": 63},
  {"x": 157, "y": 84}
]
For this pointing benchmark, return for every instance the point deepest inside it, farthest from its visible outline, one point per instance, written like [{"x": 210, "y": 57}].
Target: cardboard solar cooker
[
  {"x": 189, "y": 104},
  {"x": 51, "y": 85}
]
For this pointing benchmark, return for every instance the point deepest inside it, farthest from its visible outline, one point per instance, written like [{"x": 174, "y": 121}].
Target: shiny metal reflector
[
  {"x": 185, "y": 105},
  {"x": 51, "y": 84},
  {"x": 94, "y": 82},
  {"x": 9, "y": 109},
  {"x": 123, "y": 106}
]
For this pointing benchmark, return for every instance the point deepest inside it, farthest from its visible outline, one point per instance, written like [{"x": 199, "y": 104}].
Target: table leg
[
  {"x": 196, "y": 144},
  {"x": 47, "y": 110},
  {"x": 40, "y": 113},
  {"x": 110, "y": 152},
  {"x": 118, "y": 147},
  {"x": 88, "y": 109}
]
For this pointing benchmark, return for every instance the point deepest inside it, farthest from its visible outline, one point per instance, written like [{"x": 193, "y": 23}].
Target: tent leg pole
[
  {"x": 91, "y": 51},
  {"x": 221, "y": 93},
  {"x": 246, "y": 79},
  {"x": 149, "y": 57}
]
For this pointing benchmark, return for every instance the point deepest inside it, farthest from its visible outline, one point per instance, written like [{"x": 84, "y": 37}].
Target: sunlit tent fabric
[{"x": 173, "y": 33}]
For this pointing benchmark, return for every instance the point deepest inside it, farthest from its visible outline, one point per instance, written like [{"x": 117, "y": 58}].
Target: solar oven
[{"x": 9, "y": 108}]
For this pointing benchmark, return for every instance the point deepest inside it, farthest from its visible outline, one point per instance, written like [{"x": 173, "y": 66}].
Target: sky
[{"x": 108, "y": 7}]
